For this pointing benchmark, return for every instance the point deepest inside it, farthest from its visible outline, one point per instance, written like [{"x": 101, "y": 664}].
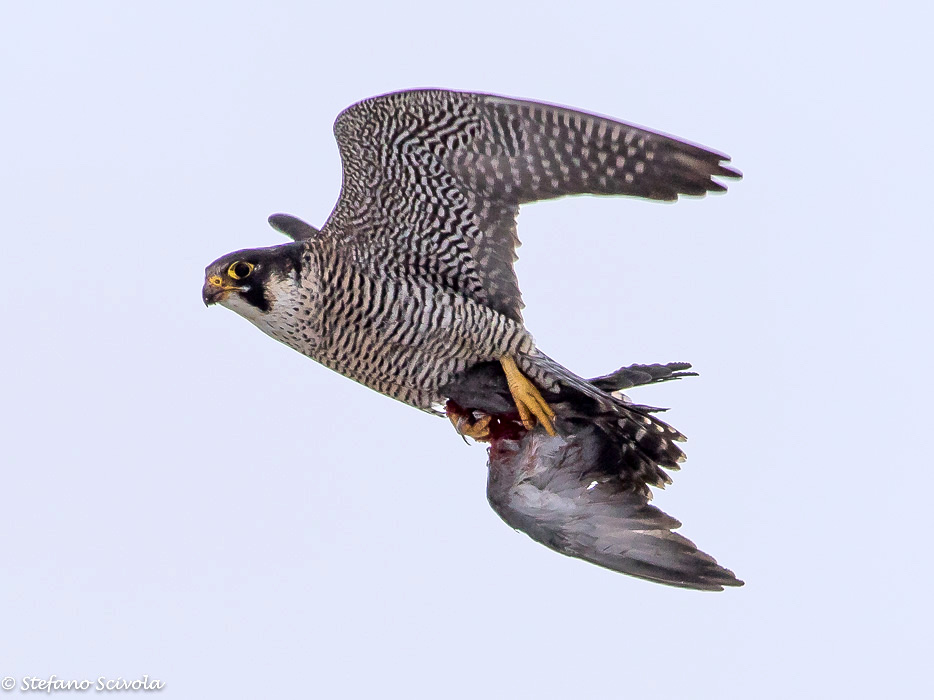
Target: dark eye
[{"x": 240, "y": 270}]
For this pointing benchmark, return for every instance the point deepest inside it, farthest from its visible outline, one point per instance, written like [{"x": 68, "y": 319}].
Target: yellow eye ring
[{"x": 240, "y": 270}]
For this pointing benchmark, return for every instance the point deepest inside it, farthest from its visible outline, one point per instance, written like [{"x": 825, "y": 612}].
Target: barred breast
[{"x": 399, "y": 335}]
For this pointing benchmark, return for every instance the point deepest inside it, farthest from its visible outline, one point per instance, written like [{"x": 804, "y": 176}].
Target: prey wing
[{"x": 554, "y": 490}]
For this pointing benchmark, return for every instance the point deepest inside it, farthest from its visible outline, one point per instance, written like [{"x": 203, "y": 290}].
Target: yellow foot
[
  {"x": 528, "y": 400},
  {"x": 466, "y": 425}
]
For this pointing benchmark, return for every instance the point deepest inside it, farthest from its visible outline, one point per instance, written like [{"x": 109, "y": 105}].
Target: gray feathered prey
[{"x": 578, "y": 492}]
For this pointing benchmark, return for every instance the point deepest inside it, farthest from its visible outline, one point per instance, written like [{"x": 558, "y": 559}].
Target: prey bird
[{"x": 409, "y": 289}]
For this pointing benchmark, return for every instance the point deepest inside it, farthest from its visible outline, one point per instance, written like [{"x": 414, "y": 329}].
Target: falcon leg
[
  {"x": 532, "y": 406},
  {"x": 465, "y": 424}
]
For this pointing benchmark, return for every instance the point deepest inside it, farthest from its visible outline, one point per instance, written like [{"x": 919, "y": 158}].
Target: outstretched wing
[
  {"x": 433, "y": 180},
  {"x": 554, "y": 490}
]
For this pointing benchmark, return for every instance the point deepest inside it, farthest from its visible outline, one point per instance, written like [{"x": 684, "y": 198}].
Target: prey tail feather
[{"x": 639, "y": 375}]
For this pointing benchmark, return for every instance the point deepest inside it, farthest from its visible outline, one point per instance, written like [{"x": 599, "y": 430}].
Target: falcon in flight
[{"x": 409, "y": 289}]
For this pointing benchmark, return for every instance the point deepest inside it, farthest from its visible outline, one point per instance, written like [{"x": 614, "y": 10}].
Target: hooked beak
[{"x": 215, "y": 290}]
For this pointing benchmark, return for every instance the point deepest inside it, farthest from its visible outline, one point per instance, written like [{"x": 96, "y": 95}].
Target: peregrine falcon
[{"x": 409, "y": 286}]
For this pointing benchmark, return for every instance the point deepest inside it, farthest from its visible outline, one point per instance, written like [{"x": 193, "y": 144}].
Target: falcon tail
[{"x": 585, "y": 492}]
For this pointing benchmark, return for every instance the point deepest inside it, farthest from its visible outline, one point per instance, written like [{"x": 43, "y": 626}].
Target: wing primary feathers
[
  {"x": 293, "y": 227},
  {"x": 435, "y": 178}
]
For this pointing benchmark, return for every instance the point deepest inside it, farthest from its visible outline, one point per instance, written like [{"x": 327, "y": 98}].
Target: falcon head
[{"x": 258, "y": 283}]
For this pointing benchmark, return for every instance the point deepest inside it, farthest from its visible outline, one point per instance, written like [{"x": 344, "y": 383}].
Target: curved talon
[
  {"x": 529, "y": 401},
  {"x": 477, "y": 429}
]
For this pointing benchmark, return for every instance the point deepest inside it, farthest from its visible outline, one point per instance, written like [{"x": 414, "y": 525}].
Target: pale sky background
[{"x": 185, "y": 498}]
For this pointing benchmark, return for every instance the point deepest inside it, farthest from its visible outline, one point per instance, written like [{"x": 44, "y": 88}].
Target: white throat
[{"x": 279, "y": 321}]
